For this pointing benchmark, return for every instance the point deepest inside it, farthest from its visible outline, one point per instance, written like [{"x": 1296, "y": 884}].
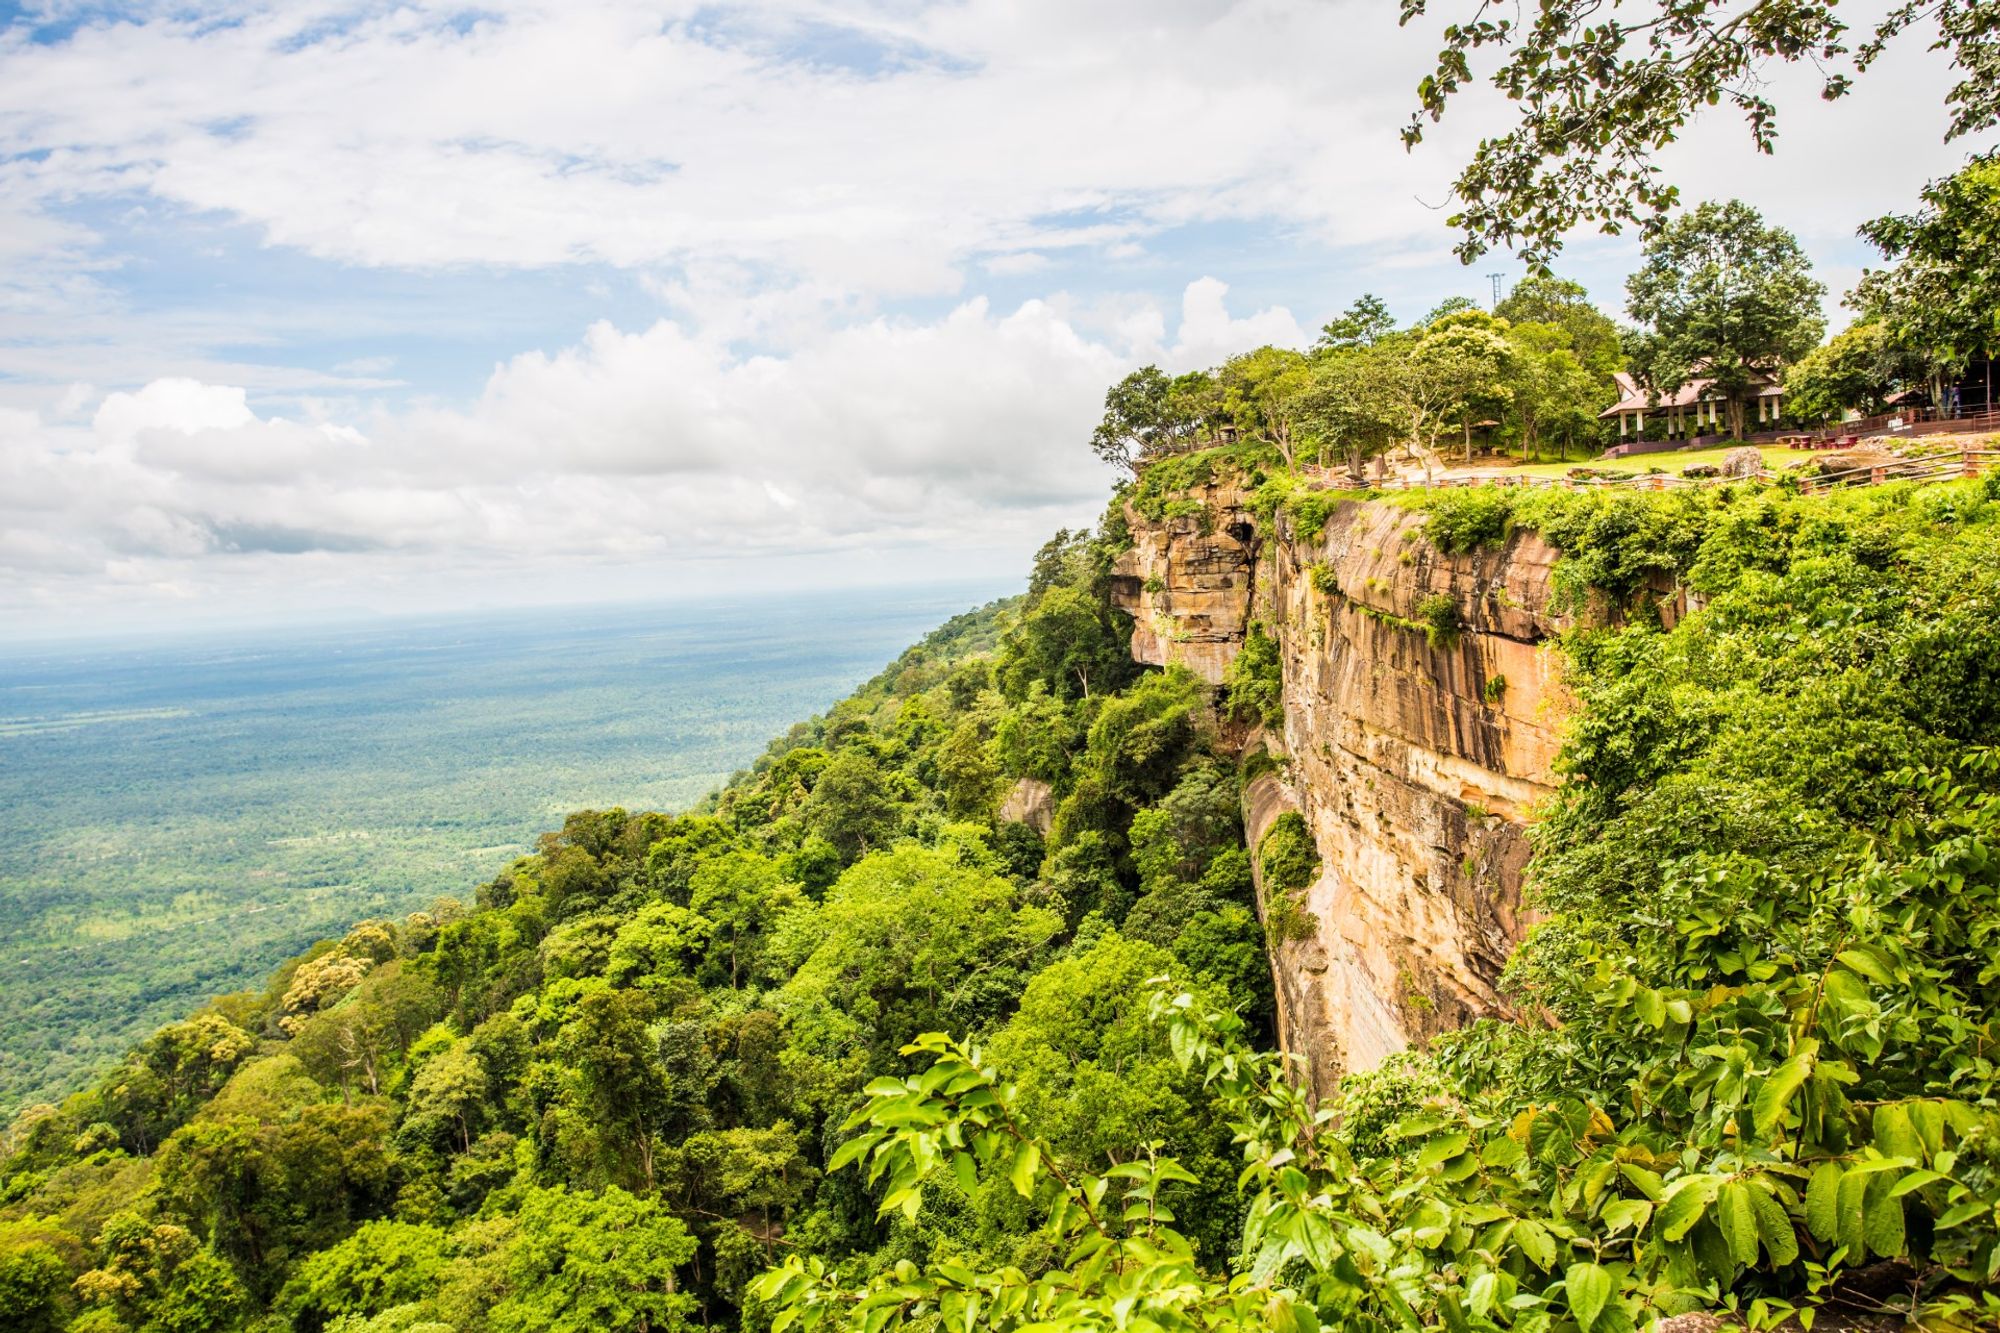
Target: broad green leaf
[
  {"x": 1441, "y": 1147},
  {"x": 1774, "y": 1095},
  {"x": 1883, "y": 1225},
  {"x": 1868, "y": 962},
  {"x": 1895, "y": 1134},
  {"x": 1536, "y": 1242},
  {"x": 1646, "y": 1182},
  {"x": 1022, "y": 1173},
  {"x": 1686, "y": 1200},
  {"x": 1737, "y": 1217},
  {"x": 1622, "y": 1213},
  {"x": 1589, "y": 1288},
  {"x": 1774, "y": 1226},
  {"x": 1822, "y": 1211},
  {"x": 1850, "y": 1208}
]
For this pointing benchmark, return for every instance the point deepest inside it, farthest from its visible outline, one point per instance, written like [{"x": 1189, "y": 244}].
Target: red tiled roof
[{"x": 1637, "y": 399}]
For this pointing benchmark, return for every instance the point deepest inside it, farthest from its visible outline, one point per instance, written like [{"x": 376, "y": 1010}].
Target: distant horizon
[
  {"x": 16, "y": 647},
  {"x": 164, "y": 796}
]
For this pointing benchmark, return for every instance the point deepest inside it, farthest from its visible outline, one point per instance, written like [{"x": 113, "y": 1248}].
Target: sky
[{"x": 313, "y": 309}]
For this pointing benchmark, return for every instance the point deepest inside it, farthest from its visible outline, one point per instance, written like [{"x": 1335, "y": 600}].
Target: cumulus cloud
[
  {"x": 663, "y": 448},
  {"x": 814, "y": 192}
]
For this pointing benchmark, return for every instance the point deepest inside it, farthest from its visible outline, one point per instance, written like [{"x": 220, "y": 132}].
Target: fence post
[
  {"x": 1805, "y": 486},
  {"x": 1968, "y": 464},
  {"x": 1877, "y": 475}
]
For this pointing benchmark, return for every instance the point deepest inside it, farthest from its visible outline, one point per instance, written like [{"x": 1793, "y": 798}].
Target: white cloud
[
  {"x": 776, "y": 176},
  {"x": 640, "y": 134},
  {"x": 660, "y": 449},
  {"x": 182, "y": 405}
]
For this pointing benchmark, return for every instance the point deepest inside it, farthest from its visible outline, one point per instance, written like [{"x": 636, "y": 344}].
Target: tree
[
  {"x": 906, "y": 940},
  {"x": 383, "y": 1265},
  {"x": 1259, "y": 394},
  {"x": 854, "y": 804},
  {"x": 1146, "y": 415},
  {"x": 1070, "y": 642},
  {"x": 1725, "y": 297},
  {"x": 1857, "y": 368},
  {"x": 1349, "y": 403},
  {"x": 1555, "y": 397},
  {"x": 609, "y": 1048},
  {"x": 595, "y": 1264},
  {"x": 364, "y": 1035},
  {"x": 743, "y": 896},
  {"x": 1451, "y": 305},
  {"x": 1601, "y": 90},
  {"x": 34, "y": 1276},
  {"x": 1560, "y": 303},
  {"x": 1365, "y": 323},
  {"x": 448, "y": 1090},
  {"x": 1940, "y": 303},
  {"x": 1461, "y": 368}
]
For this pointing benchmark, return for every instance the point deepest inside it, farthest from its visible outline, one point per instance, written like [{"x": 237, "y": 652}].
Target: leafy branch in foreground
[
  {"x": 1791, "y": 1111},
  {"x": 1600, "y": 89}
]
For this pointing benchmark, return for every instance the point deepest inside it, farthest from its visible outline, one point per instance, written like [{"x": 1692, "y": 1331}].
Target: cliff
[{"x": 1420, "y": 720}]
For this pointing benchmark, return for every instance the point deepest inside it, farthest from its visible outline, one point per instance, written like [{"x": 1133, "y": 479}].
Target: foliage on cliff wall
[{"x": 1758, "y": 1072}]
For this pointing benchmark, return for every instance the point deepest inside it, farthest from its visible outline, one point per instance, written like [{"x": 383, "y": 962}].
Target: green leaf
[
  {"x": 1646, "y": 1182},
  {"x": 1883, "y": 1224},
  {"x": 1589, "y": 1289},
  {"x": 1896, "y": 1134},
  {"x": 1774, "y": 1226},
  {"x": 1737, "y": 1217},
  {"x": 1622, "y": 1213},
  {"x": 1868, "y": 963},
  {"x": 850, "y": 1151},
  {"x": 1022, "y": 1173},
  {"x": 1851, "y": 1213},
  {"x": 1822, "y": 1210},
  {"x": 1438, "y": 1149},
  {"x": 1536, "y": 1243},
  {"x": 1960, "y": 1214},
  {"x": 1686, "y": 1200},
  {"x": 1774, "y": 1095}
]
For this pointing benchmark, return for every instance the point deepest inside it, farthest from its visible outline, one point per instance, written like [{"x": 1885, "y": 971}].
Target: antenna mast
[{"x": 1496, "y": 288}]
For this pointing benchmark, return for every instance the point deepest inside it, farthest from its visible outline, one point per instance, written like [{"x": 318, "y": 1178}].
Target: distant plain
[{"x": 181, "y": 814}]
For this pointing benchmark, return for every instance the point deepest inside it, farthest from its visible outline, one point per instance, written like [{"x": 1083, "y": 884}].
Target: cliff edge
[{"x": 1420, "y": 712}]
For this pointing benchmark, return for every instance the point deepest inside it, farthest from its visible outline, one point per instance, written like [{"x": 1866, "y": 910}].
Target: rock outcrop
[{"x": 1420, "y": 727}]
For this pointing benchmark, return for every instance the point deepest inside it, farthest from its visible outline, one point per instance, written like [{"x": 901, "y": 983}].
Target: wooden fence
[{"x": 1938, "y": 467}]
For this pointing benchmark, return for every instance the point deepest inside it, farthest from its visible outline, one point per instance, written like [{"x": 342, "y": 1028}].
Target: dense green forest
[
  {"x": 843, "y": 1048},
  {"x": 641, "y": 1040},
  {"x": 183, "y": 815}
]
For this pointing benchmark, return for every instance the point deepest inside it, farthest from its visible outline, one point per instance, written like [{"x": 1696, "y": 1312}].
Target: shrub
[
  {"x": 1255, "y": 681},
  {"x": 1441, "y": 620},
  {"x": 1464, "y": 520},
  {"x": 1287, "y": 855}
]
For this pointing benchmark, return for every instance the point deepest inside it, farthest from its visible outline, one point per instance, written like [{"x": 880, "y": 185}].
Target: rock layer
[{"x": 1420, "y": 727}]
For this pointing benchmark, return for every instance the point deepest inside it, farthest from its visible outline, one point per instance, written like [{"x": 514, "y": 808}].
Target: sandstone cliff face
[{"x": 1414, "y": 764}]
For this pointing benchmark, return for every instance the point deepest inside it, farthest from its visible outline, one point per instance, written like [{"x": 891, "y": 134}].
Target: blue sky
[{"x": 399, "y": 305}]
